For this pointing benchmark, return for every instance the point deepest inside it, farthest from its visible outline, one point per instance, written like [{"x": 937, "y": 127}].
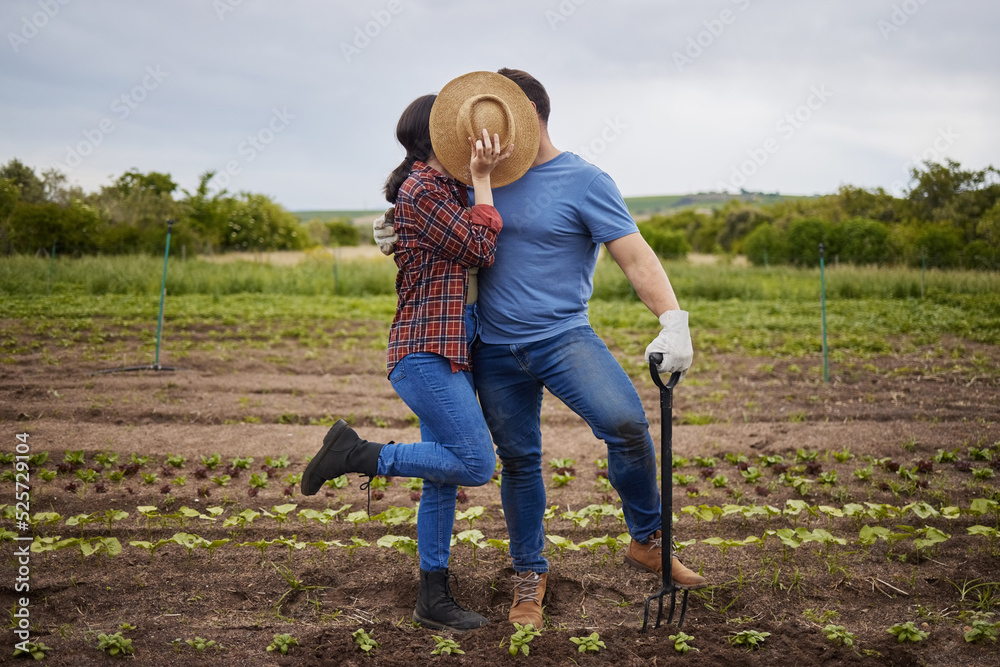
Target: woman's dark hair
[{"x": 414, "y": 133}]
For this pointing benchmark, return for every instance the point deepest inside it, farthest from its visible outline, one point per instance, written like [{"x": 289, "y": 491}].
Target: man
[{"x": 536, "y": 334}]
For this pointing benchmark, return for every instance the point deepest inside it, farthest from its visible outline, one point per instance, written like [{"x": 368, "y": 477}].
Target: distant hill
[
  {"x": 643, "y": 207},
  {"x": 639, "y": 207}
]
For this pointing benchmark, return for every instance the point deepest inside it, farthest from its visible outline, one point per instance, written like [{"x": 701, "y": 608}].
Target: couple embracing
[{"x": 492, "y": 288}]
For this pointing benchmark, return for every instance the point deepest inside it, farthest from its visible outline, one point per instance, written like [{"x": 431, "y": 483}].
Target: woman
[{"x": 441, "y": 242}]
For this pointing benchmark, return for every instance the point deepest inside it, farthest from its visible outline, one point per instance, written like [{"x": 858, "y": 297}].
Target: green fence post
[
  {"x": 822, "y": 301},
  {"x": 52, "y": 267},
  {"x": 163, "y": 291}
]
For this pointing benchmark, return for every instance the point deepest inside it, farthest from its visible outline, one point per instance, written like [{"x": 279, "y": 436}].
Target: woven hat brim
[{"x": 452, "y": 148}]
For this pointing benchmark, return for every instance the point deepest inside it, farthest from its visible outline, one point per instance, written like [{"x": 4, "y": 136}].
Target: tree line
[
  {"x": 948, "y": 218},
  {"x": 42, "y": 212}
]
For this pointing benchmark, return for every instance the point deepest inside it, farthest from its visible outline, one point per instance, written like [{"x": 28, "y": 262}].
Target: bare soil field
[{"x": 888, "y": 415}]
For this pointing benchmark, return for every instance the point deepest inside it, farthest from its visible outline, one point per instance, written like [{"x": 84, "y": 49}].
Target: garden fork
[{"x": 666, "y": 499}]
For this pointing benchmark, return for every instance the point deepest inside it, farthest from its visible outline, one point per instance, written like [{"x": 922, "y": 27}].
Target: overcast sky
[{"x": 299, "y": 99}]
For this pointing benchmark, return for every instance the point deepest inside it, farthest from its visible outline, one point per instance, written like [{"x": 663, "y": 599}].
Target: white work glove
[
  {"x": 384, "y": 233},
  {"x": 674, "y": 343}
]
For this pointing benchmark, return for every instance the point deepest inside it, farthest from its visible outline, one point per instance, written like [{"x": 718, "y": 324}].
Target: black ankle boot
[
  {"x": 437, "y": 609},
  {"x": 343, "y": 451}
]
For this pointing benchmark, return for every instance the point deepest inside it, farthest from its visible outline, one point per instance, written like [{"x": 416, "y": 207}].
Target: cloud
[{"x": 346, "y": 70}]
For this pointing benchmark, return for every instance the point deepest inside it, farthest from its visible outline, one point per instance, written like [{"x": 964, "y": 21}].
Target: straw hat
[{"x": 484, "y": 99}]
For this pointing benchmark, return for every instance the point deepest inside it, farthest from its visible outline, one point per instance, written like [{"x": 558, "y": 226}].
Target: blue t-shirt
[{"x": 555, "y": 219}]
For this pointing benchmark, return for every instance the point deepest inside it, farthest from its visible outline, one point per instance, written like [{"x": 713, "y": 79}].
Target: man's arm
[{"x": 643, "y": 269}]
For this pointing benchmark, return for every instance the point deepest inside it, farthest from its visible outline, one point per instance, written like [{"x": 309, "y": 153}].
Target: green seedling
[
  {"x": 379, "y": 483},
  {"x": 337, "y": 482},
  {"x": 445, "y": 646},
  {"x": 473, "y": 538},
  {"x": 908, "y": 632},
  {"x": 843, "y": 456},
  {"x": 407, "y": 545},
  {"x": 397, "y": 516},
  {"x": 258, "y": 480},
  {"x": 282, "y": 643},
  {"x": 38, "y": 459},
  {"x": 151, "y": 547},
  {"x": 222, "y": 480},
  {"x": 821, "y": 619},
  {"x": 199, "y": 644},
  {"x": 579, "y": 519},
  {"x": 356, "y": 542},
  {"x": 176, "y": 460},
  {"x": 752, "y": 639},
  {"x": 111, "y": 516},
  {"x": 680, "y": 641},
  {"x": 549, "y": 514},
  {"x": 560, "y": 480},
  {"x": 561, "y": 543},
  {"x": 557, "y": 464},
  {"x": 115, "y": 644},
  {"x": 590, "y": 643},
  {"x": 522, "y": 637},
  {"x": 212, "y": 461},
  {"x": 279, "y": 462},
  {"x": 87, "y": 476},
  {"x": 281, "y": 512},
  {"x": 982, "y": 631},
  {"x": 413, "y": 484},
  {"x": 838, "y": 634},
  {"x": 364, "y": 641},
  {"x": 30, "y": 648},
  {"x": 74, "y": 458},
  {"x": 470, "y": 514},
  {"x": 107, "y": 459},
  {"x": 241, "y": 463},
  {"x": 139, "y": 459}
]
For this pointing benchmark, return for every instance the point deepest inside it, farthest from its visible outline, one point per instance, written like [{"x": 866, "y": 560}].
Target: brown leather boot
[
  {"x": 647, "y": 557},
  {"x": 529, "y": 589}
]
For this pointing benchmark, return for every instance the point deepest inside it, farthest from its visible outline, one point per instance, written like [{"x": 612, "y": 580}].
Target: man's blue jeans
[
  {"x": 577, "y": 368},
  {"x": 456, "y": 448}
]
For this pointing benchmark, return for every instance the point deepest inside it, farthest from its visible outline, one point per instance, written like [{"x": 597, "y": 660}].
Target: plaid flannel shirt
[{"x": 440, "y": 238}]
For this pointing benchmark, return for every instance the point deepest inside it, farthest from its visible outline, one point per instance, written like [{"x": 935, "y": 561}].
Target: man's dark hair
[{"x": 532, "y": 88}]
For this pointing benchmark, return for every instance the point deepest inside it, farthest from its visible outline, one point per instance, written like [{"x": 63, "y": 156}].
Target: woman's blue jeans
[
  {"x": 456, "y": 448},
  {"x": 577, "y": 368}
]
